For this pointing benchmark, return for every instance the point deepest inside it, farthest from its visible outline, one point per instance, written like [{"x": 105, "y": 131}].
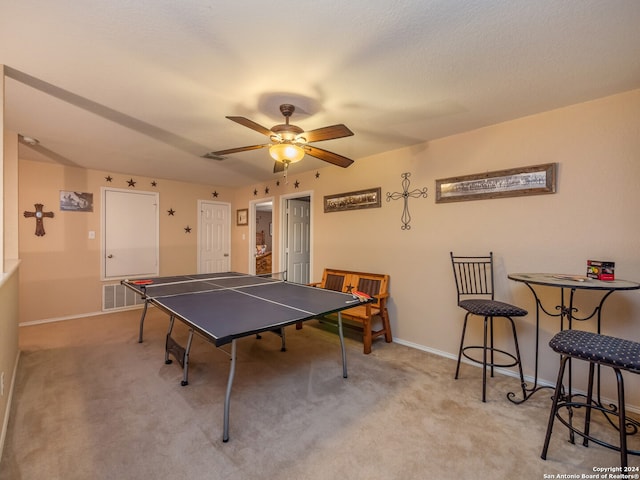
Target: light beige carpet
[{"x": 92, "y": 403}]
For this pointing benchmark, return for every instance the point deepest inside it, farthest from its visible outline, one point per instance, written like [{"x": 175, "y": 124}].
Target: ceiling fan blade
[
  {"x": 252, "y": 125},
  {"x": 278, "y": 167},
  {"x": 327, "y": 133},
  {"x": 239, "y": 149},
  {"x": 327, "y": 156},
  {"x": 212, "y": 156}
]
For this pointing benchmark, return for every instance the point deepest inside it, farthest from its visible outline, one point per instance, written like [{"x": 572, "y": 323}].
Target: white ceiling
[{"x": 142, "y": 87}]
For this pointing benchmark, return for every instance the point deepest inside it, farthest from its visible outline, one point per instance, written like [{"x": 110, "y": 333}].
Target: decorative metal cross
[
  {"x": 417, "y": 193},
  {"x": 39, "y": 214}
]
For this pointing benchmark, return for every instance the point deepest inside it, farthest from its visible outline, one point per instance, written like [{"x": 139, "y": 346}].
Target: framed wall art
[
  {"x": 242, "y": 216},
  {"x": 76, "y": 201},
  {"x": 353, "y": 200},
  {"x": 532, "y": 180}
]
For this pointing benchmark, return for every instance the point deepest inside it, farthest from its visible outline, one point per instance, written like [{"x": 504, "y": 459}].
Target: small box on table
[{"x": 601, "y": 270}]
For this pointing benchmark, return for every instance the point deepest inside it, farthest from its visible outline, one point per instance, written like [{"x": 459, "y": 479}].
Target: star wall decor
[
  {"x": 296, "y": 184},
  {"x": 215, "y": 194},
  {"x": 154, "y": 183},
  {"x": 108, "y": 178},
  {"x": 277, "y": 183},
  {"x": 131, "y": 182},
  {"x": 266, "y": 190},
  {"x": 317, "y": 174},
  {"x": 187, "y": 229},
  {"x": 171, "y": 211},
  {"x": 255, "y": 192}
]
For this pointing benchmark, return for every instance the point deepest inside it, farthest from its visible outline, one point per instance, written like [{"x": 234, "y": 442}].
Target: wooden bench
[{"x": 374, "y": 284}]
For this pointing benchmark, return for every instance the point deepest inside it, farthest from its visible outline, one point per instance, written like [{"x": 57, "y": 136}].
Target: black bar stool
[
  {"x": 620, "y": 355},
  {"x": 474, "y": 285}
]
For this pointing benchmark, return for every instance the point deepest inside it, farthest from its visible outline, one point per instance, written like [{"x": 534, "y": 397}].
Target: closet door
[
  {"x": 130, "y": 246},
  {"x": 298, "y": 240},
  {"x": 214, "y": 240}
]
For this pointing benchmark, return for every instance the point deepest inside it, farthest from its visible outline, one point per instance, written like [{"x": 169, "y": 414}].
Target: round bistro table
[{"x": 566, "y": 311}]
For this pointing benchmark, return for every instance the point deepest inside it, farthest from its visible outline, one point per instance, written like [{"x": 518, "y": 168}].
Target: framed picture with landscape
[
  {"x": 532, "y": 180},
  {"x": 71, "y": 201},
  {"x": 369, "y": 198}
]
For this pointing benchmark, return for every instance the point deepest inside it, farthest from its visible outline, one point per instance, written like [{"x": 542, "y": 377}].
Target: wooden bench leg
[
  {"x": 298, "y": 325},
  {"x": 366, "y": 335},
  {"x": 386, "y": 325}
]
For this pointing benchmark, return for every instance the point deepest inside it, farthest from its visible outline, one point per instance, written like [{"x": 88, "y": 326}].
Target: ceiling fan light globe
[{"x": 286, "y": 152}]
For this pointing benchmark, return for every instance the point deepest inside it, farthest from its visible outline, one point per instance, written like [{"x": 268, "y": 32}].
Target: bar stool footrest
[
  {"x": 512, "y": 358},
  {"x": 631, "y": 424},
  {"x": 597, "y": 350}
]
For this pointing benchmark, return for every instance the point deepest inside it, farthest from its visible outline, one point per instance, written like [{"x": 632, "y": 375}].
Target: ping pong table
[{"x": 224, "y": 307}]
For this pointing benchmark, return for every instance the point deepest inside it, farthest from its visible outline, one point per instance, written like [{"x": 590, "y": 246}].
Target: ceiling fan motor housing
[{"x": 286, "y": 131}]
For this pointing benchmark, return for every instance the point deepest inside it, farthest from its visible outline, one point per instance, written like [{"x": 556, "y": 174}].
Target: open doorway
[
  {"x": 296, "y": 236},
  {"x": 261, "y": 237}
]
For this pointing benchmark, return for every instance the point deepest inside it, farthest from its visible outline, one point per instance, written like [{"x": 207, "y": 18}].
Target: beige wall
[
  {"x": 62, "y": 268},
  {"x": 592, "y": 216},
  {"x": 595, "y": 144},
  {"x": 9, "y": 271},
  {"x": 8, "y": 341}
]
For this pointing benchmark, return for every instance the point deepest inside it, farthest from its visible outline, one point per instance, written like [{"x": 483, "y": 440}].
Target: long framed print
[{"x": 532, "y": 180}]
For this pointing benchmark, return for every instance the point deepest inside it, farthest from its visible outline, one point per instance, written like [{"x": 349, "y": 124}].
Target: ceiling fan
[{"x": 289, "y": 143}]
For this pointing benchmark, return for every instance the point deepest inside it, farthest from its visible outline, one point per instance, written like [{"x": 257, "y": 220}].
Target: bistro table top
[{"x": 573, "y": 281}]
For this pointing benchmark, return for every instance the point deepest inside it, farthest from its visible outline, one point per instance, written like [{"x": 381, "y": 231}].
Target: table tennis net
[{"x": 170, "y": 286}]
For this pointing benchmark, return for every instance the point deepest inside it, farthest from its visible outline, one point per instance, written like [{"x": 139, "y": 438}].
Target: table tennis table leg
[
  {"x": 227, "y": 397},
  {"x": 281, "y": 334},
  {"x": 144, "y": 313},
  {"x": 185, "y": 361},
  {"x": 344, "y": 353},
  {"x": 167, "y": 343}
]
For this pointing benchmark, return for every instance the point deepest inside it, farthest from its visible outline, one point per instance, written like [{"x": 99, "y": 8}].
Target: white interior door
[
  {"x": 298, "y": 240},
  {"x": 130, "y": 233},
  {"x": 214, "y": 238}
]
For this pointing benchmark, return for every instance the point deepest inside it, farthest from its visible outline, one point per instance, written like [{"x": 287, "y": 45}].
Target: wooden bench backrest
[
  {"x": 334, "y": 281},
  {"x": 344, "y": 281}
]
